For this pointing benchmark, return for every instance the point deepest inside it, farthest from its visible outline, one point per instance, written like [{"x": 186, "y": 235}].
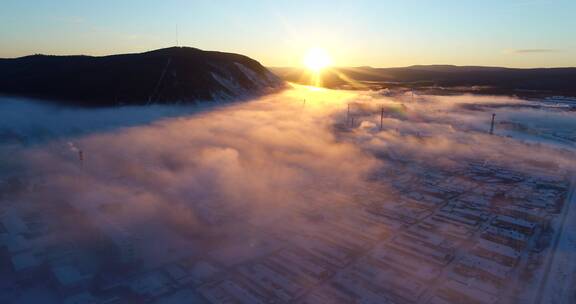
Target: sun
[{"x": 317, "y": 59}]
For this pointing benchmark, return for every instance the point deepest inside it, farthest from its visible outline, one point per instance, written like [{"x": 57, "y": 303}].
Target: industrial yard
[{"x": 332, "y": 197}]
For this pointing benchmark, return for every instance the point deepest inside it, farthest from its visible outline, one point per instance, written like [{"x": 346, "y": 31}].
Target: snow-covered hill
[{"x": 171, "y": 75}]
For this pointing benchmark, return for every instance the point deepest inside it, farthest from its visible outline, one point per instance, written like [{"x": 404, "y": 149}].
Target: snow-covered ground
[
  {"x": 308, "y": 195},
  {"x": 560, "y": 277}
]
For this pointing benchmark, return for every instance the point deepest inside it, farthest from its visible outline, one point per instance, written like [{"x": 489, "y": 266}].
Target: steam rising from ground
[{"x": 253, "y": 166}]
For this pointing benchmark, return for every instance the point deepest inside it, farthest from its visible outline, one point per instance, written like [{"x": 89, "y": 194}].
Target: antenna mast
[{"x": 177, "y": 41}]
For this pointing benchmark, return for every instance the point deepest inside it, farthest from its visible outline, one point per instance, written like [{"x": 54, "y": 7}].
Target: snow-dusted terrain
[{"x": 305, "y": 196}]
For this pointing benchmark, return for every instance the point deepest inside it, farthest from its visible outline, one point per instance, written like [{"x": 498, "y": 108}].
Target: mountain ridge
[
  {"x": 169, "y": 75},
  {"x": 500, "y": 80}
]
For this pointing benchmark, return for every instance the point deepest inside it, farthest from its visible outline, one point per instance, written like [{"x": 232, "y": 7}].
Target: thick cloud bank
[
  {"x": 202, "y": 174},
  {"x": 180, "y": 184}
]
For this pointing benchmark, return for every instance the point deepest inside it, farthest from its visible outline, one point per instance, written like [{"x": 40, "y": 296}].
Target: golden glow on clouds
[{"x": 321, "y": 99}]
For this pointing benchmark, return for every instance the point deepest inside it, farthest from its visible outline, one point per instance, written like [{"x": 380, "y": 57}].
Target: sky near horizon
[{"x": 384, "y": 33}]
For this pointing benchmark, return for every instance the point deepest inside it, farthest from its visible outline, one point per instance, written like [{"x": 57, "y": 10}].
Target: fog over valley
[
  {"x": 318, "y": 178},
  {"x": 288, "y": 152}
]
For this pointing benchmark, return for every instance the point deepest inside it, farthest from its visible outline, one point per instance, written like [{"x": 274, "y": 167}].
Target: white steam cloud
[{"x": 245, "y": 171}]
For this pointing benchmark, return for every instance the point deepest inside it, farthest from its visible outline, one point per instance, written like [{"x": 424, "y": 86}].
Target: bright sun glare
[{"x": 317, "y": 59}]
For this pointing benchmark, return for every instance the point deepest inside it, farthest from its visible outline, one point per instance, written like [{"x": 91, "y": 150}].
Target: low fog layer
[
  {"x": 231, "y": 165},
  {"x": 29, "y": 121},
  {"x": 184, "y": 183},
  {"x": 442, "y": 127},
  {"x": 254, "y": 160}
]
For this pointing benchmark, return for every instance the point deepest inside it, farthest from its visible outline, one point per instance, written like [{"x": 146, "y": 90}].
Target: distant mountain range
[
  {"x": 177, "y": 74},
  {"x": 483, "y": 79}
]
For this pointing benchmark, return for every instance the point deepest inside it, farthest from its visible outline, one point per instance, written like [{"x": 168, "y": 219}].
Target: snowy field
[{"x": 306, "y": 196}]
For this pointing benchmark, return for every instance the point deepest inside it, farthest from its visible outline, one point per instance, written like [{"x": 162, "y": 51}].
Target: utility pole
[
  {"x": 381, "y": 117},
  {"x": 348, "y": 115},
  {"x": 492, "y": 124},
  {"x": 75, "y": 149},
  {"x": 81, "y": 158}
]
